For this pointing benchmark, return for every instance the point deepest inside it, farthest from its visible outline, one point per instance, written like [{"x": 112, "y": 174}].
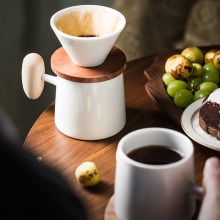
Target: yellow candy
[{"x": 87, "y": 174}]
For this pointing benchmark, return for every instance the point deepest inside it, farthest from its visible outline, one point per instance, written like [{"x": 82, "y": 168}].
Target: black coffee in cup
[
  {"x": 155, "y": 155},
  {"x": 88, "y": 35}
]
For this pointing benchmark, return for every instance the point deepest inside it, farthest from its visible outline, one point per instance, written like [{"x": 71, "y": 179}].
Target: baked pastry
[{"x": 209, "y": 114}]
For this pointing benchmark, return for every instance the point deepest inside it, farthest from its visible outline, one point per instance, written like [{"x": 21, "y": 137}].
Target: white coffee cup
[
  {"x": 154, "y": 192},
  {"x": 70, "y": 23}
]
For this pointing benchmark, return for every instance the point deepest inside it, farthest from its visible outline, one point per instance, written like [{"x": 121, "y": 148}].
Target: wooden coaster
[
  {"x": 113, "y": 66},
  {"x": 109, "y": 210}
]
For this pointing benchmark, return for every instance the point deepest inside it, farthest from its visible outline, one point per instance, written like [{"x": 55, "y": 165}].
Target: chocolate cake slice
[{"x": 209, "y": 114}]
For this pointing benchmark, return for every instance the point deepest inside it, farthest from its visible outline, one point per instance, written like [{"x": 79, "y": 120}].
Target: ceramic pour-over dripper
[
  {"x": 87, "y": 32},
  {"x": 90, "y": 102}
]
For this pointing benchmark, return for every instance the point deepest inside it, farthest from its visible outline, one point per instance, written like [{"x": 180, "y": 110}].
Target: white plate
[{"x": 190, "y": 124}]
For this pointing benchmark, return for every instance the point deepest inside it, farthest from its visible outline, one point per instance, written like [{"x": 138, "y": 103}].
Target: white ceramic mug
[
  {"x": 154, "y": 192},
  {"x": 70, "y": 23}
]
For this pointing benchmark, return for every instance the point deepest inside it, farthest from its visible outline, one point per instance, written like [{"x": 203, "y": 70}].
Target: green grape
[
  {"x": 211, "y": 77},
  {"x": 200, "y": 94},
  {"x": 197, "y": 70},
  {"x": 183, "y": 98},
  {"x": 210, "y": 67},
  {"x": 167, "y": 78},
  {"x": 194, "y": 83},
  {"x": 208, "y": 86},
  {"x": 175, "y": 86}
]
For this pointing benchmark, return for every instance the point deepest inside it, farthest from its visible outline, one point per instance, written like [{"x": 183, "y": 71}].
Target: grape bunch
[{"x": 191, "y": 75}]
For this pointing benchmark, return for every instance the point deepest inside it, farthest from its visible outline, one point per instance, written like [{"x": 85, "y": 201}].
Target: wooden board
[{"x": 156, "y": 88}]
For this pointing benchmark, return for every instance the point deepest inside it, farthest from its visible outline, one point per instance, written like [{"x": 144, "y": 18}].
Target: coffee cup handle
[
  {"x": 196, "y": 190},
  {"x": 34, "y": 76},
  {"x": 32, "y": 70}
]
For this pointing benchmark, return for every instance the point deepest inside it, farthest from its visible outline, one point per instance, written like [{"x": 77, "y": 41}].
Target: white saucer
[{"x": 190, "y": 124}]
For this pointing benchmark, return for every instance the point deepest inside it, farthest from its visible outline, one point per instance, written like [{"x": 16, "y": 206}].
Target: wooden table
[{"x": 65, "y": 154}]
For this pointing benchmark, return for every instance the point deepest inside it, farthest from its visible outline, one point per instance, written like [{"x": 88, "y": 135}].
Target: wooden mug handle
[{"x": 32, "y": 69}]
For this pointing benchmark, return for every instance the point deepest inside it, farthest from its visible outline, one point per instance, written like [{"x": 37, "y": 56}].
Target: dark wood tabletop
[{"x": 65, "y": 154}]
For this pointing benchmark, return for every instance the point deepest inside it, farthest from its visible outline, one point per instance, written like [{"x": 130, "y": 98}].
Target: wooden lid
[{"x": 113, "y": 66}]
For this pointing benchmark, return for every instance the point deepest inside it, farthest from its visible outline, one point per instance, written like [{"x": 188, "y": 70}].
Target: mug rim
[
  {"x": 73, "y": 8},
  {"x": 149, "y": 166}
]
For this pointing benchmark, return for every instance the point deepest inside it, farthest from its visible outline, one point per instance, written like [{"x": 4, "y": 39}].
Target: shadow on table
[{"x": 100, "y": 188}]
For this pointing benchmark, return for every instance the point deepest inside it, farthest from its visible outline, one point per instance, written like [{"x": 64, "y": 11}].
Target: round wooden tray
[
  {"x": 113, "y": 66},
  {"x": 156, "y": 88}
]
